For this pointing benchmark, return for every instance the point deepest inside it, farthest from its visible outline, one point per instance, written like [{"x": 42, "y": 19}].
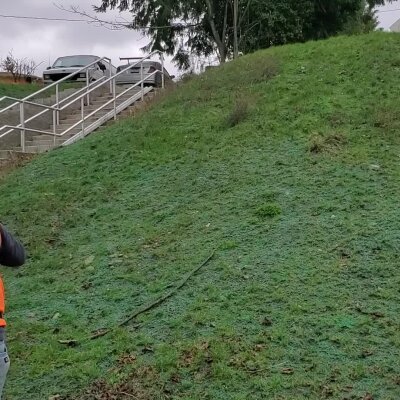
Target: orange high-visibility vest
[{"x": 2, "y": 304}]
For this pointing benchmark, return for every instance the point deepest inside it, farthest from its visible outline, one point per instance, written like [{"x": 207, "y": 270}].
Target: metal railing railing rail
[{"x": 81, "y": 95}]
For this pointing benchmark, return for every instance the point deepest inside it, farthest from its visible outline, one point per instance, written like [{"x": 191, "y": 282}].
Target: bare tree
[
  {"x": 29, "y": 68},
  {"x": 19, "y": 67},
  {"x": 11, "y": 65}
]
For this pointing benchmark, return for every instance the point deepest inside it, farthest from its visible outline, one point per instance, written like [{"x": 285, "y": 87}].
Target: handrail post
[
  {"x": 163, "y": 71},
  {"x": 83, "y": 116},
  {"x": 111, "y": 74},
  {"x": 141, "y": 78},
  {"x": 115, "y": 98},
  {"x": 22, "y": 122},
  {"x": 54, "y": 126},
  {"x": 58, "y": 104},
  {"x": 87, "y": 88}
]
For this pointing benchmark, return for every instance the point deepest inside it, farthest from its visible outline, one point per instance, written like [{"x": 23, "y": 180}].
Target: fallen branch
[{"x": 145, "y": 308}]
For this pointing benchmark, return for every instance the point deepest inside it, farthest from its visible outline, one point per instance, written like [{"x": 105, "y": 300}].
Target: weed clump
[
  {"x": 326, "y": 144},
  {"x": 265, "y": 71},
  {"x": 239, "y": 113},
  {"x": 268, "y": 210}
]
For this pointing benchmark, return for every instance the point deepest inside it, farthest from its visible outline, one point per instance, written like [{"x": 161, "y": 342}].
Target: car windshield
[{"x": 73, "y": 61}]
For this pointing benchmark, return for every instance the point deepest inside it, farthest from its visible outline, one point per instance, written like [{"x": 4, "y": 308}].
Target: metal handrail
[
  {"x": 95, "y": 83},
  {"x": 41, "y": 105},
  {"x": 56, "y": 84},
  {"x": 116, "y": 75},
  {"x": 86, "y": 93},
  {"x": 18, "y": 101},
  {"x": 117, "y": 97}
]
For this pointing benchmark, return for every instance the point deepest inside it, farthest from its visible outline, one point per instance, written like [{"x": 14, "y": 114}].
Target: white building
[{"x": 396, "y": 26}]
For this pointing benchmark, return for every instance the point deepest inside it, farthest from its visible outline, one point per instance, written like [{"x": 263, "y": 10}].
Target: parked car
[
  {"x": 64, "y": 66},
  {"x": 133, "y": 75}
]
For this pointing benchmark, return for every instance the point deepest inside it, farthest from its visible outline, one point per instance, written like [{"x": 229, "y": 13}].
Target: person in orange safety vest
[{"x": 12, "y": 254}]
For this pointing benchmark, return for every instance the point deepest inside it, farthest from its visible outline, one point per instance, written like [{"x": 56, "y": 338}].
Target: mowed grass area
[
  {"x": 21, "y": 90},
  {"x": 286, "y": 162},
  {"x": 17, "y": 90}
]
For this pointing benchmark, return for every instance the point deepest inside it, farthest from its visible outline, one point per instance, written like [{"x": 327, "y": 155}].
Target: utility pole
[{"x": 235, "y": 28}]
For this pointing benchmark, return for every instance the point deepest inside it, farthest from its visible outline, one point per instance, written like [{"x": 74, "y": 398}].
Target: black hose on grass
[{"x": 145, "y": 308}]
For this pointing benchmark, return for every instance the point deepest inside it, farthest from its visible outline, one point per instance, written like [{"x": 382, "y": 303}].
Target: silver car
[
  {"x": 64, "y": 66},
  {"x": 133, "y": 75}
]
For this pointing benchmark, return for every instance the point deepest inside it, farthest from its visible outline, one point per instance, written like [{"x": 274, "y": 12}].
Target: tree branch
[
  {"x": 119, "y": 25},
  {"x": 244, "y": 12}
]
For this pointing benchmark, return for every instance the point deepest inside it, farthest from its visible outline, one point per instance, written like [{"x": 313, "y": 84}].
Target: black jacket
[{"x": 12, "y": 253}]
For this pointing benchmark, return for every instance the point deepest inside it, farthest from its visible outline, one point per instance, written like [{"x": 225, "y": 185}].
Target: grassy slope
[
  {"x": 314, "y": 289},
  {"x": 18, "y": 91}
]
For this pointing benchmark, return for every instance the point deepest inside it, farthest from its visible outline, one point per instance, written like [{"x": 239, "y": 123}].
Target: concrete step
[
  {"x": 97, "y": 104},
  {"x": 35, "y": 149},
  {"x": 44, "y": 142},
  {"x": 71, "y": 133},
  {"x": 67, "y": 124},
  {"x": 124, "y": 96},
  {"x": 62, "y": 127},
  {"x": 73, "y": 119},
  {"x": 119, "y": 99},
  {"x": 94, "y": 105},
  {"x": 46, "y": 137},
  {"x": 93, "y": 108}
]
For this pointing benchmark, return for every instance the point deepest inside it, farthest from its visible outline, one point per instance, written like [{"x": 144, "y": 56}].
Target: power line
[
  {"x": 42, "y": 18},
  {"x": 115, "y": 23},
  {"x": 101, "y": 22}
]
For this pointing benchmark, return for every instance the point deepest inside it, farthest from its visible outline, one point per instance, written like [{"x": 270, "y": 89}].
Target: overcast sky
[
  {"x": 47, "y": 40},
  {"x": 44, "y": 41}
]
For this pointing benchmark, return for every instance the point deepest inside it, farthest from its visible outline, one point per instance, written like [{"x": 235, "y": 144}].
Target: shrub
[{"x": 268, "y": 210}]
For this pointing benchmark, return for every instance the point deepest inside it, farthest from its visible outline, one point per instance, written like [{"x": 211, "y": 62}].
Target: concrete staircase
[{"x": 39, "y": 143}]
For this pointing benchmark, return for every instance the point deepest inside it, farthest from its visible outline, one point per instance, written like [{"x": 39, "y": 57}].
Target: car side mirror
[
  {"x": 48, "y": 68},
  {"x": 102, "y": 66},
  {"x": 173, "y": 76}
]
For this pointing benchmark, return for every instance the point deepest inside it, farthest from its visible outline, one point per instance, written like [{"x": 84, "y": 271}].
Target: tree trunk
[
  {"x": 218, "y": 40},
  {"x": 235, "y": 28}
]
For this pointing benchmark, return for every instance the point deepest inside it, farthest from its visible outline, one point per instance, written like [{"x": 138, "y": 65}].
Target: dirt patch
[
  {"x": 15, "y": 161},
  {"x": 386, "y": 119},
  {"x": 141, "y": 385}
]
